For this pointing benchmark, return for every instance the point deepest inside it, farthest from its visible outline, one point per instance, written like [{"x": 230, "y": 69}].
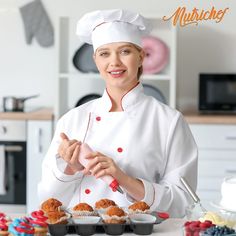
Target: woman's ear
[{"x": 142, "y": 55}]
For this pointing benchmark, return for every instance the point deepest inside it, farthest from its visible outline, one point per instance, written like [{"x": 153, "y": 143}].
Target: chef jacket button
[
  {"x": 87, "y": 191},
  {"x": 98, "y": 118},
  {"x": 119, "y": 149}
]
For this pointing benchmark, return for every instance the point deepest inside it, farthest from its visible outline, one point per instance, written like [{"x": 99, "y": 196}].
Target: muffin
[
  {"x": 114, "y": 215},
  {"x": 39, "y": 222},
  {"x": 51, "y": 204},
  {"x": 3, "y": 227},
  {"x": 104, "y": 203},
  {"x": 83, "y": 209},
  {"x": 57, "y": 217},
  {"x": 20, "y": 226},
  {"x": 4, "y": 223},
  {"x": 139, "y": 207}
]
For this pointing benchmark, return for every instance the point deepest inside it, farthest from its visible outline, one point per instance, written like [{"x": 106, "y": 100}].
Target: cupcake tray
[{"x": 101, "y": 227}]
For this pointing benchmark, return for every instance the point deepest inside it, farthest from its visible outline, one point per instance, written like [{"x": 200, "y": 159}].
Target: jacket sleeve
[
  {"x": 180, "y": 160},
  {"x": 54, "y": 183}
]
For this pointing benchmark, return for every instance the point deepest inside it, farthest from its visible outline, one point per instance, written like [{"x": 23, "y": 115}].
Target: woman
[{"x": 143, "y": 144}]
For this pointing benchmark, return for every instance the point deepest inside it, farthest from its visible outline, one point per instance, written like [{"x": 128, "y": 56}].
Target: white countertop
[{"x": 169, "y": 227}]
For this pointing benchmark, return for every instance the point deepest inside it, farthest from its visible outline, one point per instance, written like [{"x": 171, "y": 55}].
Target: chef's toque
[{"x": 108, "y": 26}]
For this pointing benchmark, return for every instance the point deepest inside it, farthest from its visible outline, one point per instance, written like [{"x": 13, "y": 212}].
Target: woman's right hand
[{"x": 69, "y": 150}]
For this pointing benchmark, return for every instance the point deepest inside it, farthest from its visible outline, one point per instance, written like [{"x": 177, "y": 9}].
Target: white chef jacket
[{"x": 147, "y": 140}]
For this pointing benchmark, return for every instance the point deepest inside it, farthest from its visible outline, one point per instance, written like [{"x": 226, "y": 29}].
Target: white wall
[{"x": 31, "y": 69}]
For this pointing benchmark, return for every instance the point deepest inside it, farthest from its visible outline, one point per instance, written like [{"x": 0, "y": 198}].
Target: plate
[
  {"x": 83, "y": 59},
  {"x": 217, "y": 205},
  {"x": 154, "y": 92}
]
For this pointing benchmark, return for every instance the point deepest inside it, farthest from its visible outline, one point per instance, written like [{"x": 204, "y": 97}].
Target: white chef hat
[{"x": 108, "y": 26}]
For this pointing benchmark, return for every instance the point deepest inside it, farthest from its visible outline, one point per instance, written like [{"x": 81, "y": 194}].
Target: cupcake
[
  {"x": 51, "y": 204},
  {"x": 114, "y": 215},
  {"x": 103, "y": 204},
  {"x": 20, "y": 227},
  {"x": 3, "y": 227},
  {"x": 57, "y": 217},
  {"x": 83, "y": 209},
  {"x": 39, "y": 221},
  {"x": 139, "y": 207}
]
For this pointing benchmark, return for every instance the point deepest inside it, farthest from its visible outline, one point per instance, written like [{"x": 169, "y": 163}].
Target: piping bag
[{"x": 84, "y": 151}]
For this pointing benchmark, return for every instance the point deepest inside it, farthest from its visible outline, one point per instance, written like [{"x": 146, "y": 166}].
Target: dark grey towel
[{"x": 37, "y": 23}]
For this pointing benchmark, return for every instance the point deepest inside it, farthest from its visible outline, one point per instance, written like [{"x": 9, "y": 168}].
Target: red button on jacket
[
  {"x": 98, "y": 118},
  {"x": 87, "y": 191},
  {"x": 119, "y": 149}
]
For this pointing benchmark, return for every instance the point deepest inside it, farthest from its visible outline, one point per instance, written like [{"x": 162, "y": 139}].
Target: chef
[{"x": 143, "y": 144}]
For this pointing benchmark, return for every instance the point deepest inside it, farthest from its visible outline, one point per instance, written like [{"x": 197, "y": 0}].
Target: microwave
[{"x": 217, "y": 93}]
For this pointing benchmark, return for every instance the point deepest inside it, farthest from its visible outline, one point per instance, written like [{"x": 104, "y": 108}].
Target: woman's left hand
[{"x": 100, "y": 165}]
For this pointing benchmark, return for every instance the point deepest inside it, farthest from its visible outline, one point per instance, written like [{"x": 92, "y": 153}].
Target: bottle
[{"x": 84, "y": 151}]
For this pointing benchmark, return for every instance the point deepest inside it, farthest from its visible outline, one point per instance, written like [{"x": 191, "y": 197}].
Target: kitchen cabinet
[
  {"x": 39, "y": 136},
  {"x": 73, "y": 84},
  {"x": 217, "y": 158}
]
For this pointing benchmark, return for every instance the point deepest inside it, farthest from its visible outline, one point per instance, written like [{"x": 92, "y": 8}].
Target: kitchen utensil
[
  {"x": 194, "y": 196},
  {"x": 11, "y": 103},
  {"x": 87, "y": 98},
  {"x": 83, "y": 59},
  {"x": 84, "y": 151},
  {"x": 154, "y": 92}
]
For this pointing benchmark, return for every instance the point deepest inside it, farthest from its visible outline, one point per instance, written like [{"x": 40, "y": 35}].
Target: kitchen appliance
[
  {"x": 217, "y": 93},
  {"x": 13, "y": 162},
  {"x": 11, "y": 103}
]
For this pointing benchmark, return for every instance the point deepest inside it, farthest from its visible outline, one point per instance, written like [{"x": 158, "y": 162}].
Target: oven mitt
[{"x": 37, "y": 24}]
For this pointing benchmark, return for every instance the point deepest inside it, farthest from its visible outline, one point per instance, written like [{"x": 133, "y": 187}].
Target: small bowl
[
  {"x": 142, "y": 218},
  {"x": 194, "y": 212},
  {"x": 86, "y": 219}
]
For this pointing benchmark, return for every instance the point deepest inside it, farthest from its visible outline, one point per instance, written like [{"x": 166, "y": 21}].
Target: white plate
[{"x": 217, "y": 205}]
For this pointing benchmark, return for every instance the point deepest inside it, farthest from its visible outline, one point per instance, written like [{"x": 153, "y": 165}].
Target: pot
[{"x": 11, "y": 103}]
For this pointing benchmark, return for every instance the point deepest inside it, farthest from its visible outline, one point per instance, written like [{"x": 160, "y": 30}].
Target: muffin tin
[{"x": 101, "y": 227}]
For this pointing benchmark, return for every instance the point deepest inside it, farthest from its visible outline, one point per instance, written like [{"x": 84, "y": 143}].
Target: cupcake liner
[
  {"x": 137, "y": 211},
  {"x": 118, "y": 218},
  {"x": 62, "y": 220},
  {"x": 82, "y": 213}
]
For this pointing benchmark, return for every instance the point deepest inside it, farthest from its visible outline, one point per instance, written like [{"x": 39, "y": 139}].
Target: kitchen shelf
[{"x": 73, "y": 84}]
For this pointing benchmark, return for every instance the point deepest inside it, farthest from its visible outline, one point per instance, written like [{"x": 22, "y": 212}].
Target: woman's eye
[
  {"x": 103, "y": 54},
  {"x": 125, "y": 51}
]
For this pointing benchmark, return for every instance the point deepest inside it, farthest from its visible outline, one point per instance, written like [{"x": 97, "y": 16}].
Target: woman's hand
[
  {"x": 100, "y": 165},
  {"x": 69, "y": 151}
]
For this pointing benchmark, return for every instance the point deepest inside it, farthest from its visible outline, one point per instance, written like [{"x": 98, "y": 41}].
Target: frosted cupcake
[
  {"x": 20, "y": 227},
  {"x": 3, "y": 227},
  {"x": 39, "y": 221}
]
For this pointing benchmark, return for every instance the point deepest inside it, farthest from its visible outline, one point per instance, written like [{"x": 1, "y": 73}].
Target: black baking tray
[{"x": 100, "y": 227}]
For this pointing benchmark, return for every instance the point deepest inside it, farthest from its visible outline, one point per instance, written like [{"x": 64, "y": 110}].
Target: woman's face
[{"x": 118, "y": 64}]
